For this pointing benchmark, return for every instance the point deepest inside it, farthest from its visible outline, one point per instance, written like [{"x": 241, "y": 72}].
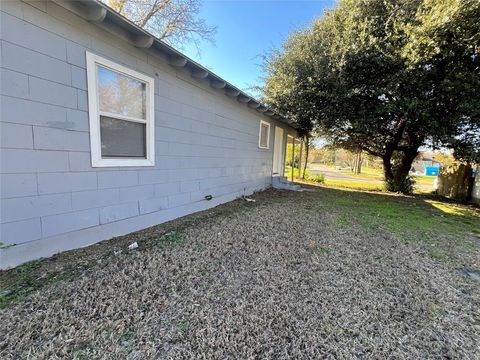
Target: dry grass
[{"x": 284, "y": 277}]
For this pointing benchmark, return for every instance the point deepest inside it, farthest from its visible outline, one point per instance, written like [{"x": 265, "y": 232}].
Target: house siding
[{"x": 52, "y": 199}]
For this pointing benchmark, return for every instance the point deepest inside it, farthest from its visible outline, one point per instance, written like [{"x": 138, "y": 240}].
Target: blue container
[{"x": 431, "y": 170}]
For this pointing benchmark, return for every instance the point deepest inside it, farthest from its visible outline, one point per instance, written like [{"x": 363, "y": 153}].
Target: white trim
[
  {"x": 260, "y": 135},
  {"x": 94, "y": 114},
  {"x": 121, "y": 117},
  {"x": 278, "y": 159}
]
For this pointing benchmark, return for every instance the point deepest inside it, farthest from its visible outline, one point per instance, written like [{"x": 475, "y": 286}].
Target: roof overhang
[{"x": 103, "y": 16}]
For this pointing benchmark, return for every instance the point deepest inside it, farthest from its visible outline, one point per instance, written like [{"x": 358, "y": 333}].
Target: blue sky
[{"x": 248, "y": 29}]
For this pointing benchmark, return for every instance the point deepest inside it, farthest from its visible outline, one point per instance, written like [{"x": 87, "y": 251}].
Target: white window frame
[
  {"x": 260, "y": 135},
  {"x": 94, "y": 114}
]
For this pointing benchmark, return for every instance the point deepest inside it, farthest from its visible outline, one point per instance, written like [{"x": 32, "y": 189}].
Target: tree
[
  {"x": 175, "y": 21},
  {"x": 444, "y": 158},
  {"x": 386, "y": 77}
]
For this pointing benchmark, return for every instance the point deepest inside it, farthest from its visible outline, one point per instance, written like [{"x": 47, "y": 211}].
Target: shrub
[
  {"x": 319, "y": 178},
  {"x": 404, "y": 186}
]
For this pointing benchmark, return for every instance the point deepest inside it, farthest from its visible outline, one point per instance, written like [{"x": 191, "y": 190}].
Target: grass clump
[
  {"x": 183, "y": 325},
  {"x": 127, "y": 336},
  {"x": 319, "y": 178},
  {"x": 171, "y": 238},
  {"x": 28, "y": 279},
  {"x": 307, "y": 176},
  {"x": 323, "y": 250}
]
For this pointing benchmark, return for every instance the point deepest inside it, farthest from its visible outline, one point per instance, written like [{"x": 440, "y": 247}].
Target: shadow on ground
[{"x": 292, "y": 275}]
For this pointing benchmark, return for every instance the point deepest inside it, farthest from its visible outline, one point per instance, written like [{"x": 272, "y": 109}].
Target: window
[
  {"x": 120, "y": 102},
  {"x": 264, "y": 136}
]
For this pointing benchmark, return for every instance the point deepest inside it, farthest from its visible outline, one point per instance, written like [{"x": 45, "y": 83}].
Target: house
[
  {"x": 425, "y": 165},
  {"x": 106, "y": 130}
]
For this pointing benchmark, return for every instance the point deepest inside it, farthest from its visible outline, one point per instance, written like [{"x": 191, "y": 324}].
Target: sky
[{"x": 248, "y": 29}]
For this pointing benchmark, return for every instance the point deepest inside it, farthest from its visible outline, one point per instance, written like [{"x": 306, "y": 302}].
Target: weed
[
  {"x": 183, "y": 325},
  {"x": 79, "y": 355},
  {"x": 127, "y": 336},
  {"x": 171, "y": 238},
  {"x": 323, "y": 250},
  {"x": 438, "y": 254}
]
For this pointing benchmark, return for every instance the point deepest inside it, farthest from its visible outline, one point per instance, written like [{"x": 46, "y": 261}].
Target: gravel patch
[{"x": 276, "y": 279}]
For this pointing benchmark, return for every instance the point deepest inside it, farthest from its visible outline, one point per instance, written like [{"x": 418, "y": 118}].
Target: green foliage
[
  {"x": 319, "y": 178},
  {"x": 171, "y": 238},
  {"x": 288, "y": 172},
  {"x": 385, "y": 76},
  {"x": 323, "y": 250},
  {"x": 405, "y": 185},
  {"x": 183, "y": 325},
  {"x": 288, "y": 155},
  {"x": 79, "y": 355},
  {"x": 127, "y": 336}
]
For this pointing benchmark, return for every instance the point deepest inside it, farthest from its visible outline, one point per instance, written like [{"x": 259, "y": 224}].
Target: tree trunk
[
  {"x": 387, "y": 169},
  {"x": 307, "y": 148},
  {"x": 357, "y": 165},
  {"x": 360, "y": 162},
  {"x": 397, "y": 180},
  {"x": 406, "y": 164}
]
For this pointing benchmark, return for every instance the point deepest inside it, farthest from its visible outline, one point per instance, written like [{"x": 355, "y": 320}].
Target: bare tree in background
[{"x": 174, "y": 21}]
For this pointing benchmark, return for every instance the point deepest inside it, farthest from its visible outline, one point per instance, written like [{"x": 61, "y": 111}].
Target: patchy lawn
[
  {"x": 355, "y": 185},
  {"x": 369, "y": 180},
  {"x": 292, "y": 275}
]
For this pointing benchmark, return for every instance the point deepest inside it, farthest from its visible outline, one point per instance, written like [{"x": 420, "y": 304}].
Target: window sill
[{"x": 122, "y": 162}]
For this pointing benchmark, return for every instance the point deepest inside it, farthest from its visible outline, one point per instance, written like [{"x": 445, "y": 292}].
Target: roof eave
[{"x": 99, "y": 13}]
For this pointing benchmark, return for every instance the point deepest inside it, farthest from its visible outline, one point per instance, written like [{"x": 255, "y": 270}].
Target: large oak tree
[{"x": 386, "y": 77}]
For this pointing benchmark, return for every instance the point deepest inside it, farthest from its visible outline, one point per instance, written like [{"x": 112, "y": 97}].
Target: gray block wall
[{"x": 51, "y": 198}]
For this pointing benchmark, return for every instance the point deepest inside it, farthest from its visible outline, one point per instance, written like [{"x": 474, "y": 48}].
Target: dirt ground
[{"x": 288, "y": 276}]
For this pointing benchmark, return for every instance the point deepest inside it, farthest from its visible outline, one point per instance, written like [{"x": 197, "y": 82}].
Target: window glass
[
  {"x": 264, "y": 135},
  {"x": 122, "y": 138},
  {"x": 120, "y": 94},
  {"x": 121, "y": 114}
]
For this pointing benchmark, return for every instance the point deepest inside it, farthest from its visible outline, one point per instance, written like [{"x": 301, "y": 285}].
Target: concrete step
[{"x": 279, "y": 182}]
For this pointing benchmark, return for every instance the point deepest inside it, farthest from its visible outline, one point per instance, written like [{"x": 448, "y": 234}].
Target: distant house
[
  {"x": 106, "y": 130},
  {"x": 425, "y": 165}
]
